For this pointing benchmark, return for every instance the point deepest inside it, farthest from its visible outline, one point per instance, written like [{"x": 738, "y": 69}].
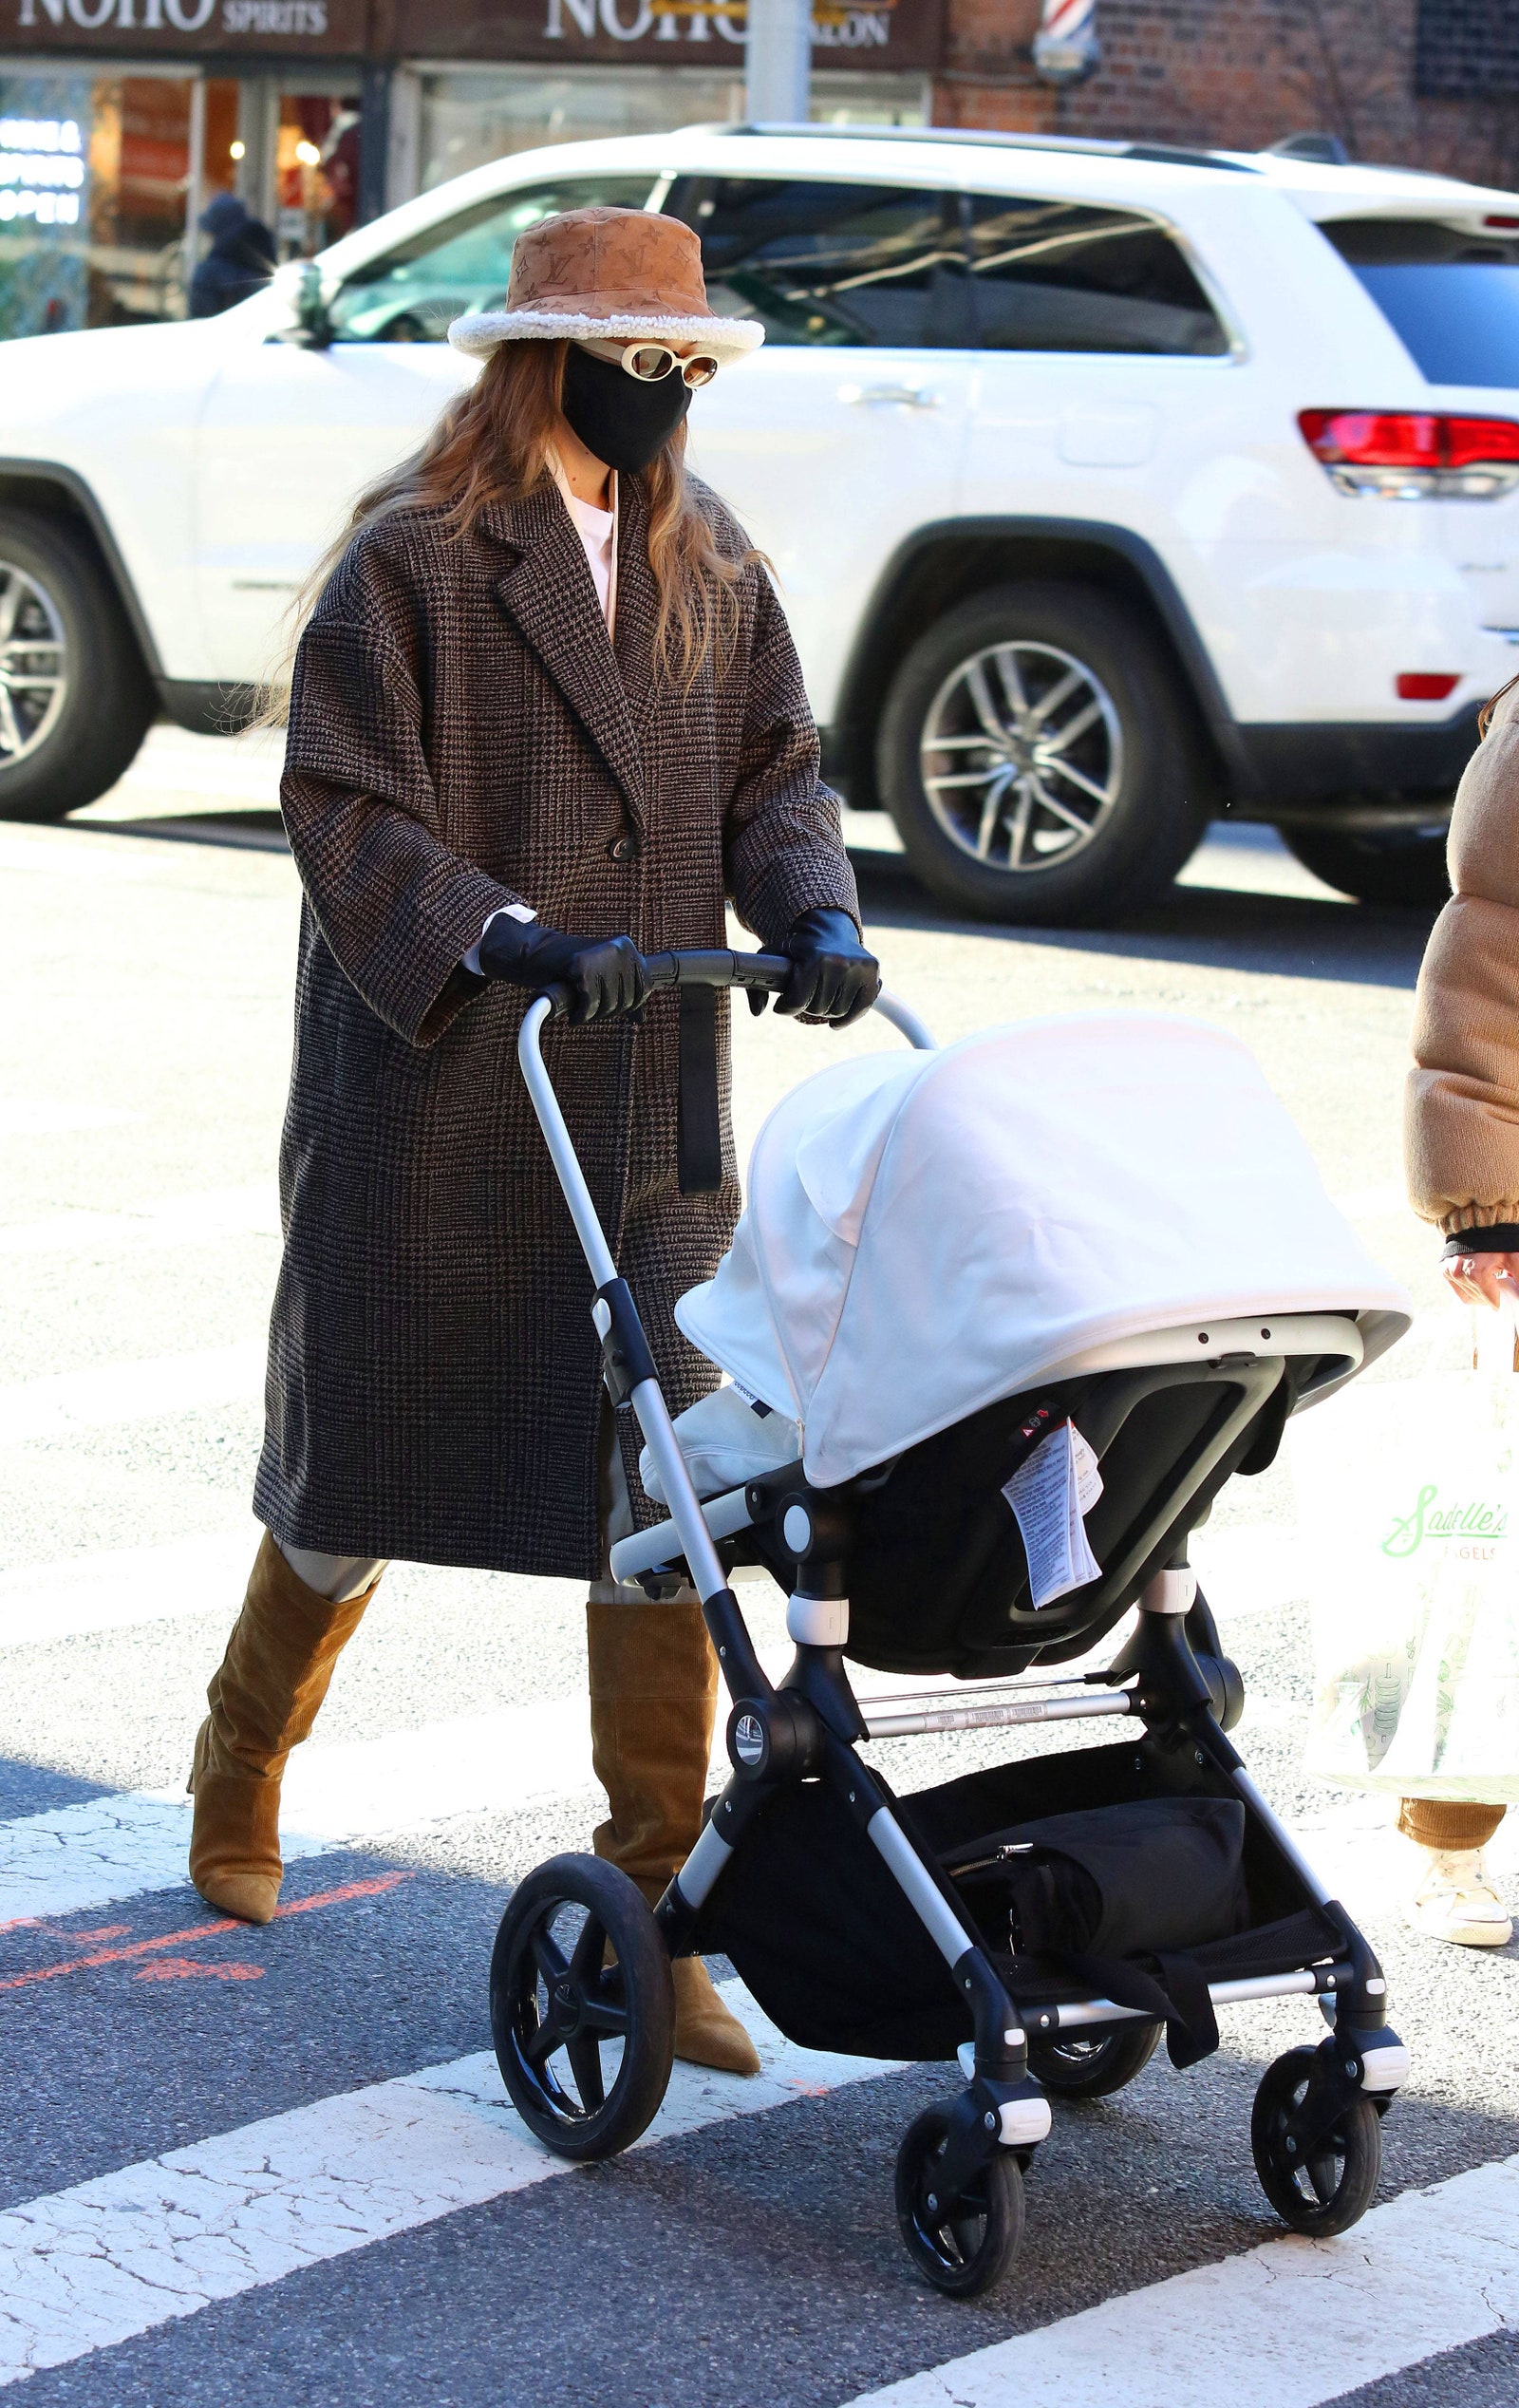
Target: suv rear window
[
  {"x": 413, "y": 293},
  {"x": 1049, "y": 277},
  {"x": 1451, "y": 297}
]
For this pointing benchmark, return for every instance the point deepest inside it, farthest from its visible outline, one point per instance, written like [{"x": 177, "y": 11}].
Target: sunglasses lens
[
  {"x": 700, "y": 370},
  {"x": 648, "y": 362}
]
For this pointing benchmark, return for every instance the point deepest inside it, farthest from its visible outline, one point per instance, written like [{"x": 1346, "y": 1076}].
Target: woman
[
  {"x": 1462, "y": 1147},
  {"x": 545, "y": 713}
]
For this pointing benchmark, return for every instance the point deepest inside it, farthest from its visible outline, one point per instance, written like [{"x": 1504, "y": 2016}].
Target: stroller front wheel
[
  {"x": 1324, "y": 2187},
  {"x": 582, "y": 2007},
  {"x": 964, "y": 2245}
]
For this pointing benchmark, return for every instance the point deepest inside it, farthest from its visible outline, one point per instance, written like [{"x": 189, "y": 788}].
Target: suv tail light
[{"x": 1414, "y": 456}]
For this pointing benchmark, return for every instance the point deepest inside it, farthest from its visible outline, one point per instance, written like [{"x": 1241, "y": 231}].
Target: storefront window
[
  {"x": 470, "y": 115},
  {"x": 94, "y": 176}
]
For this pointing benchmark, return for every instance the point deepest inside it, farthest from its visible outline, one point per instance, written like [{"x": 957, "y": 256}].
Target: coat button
[{"x": 624, "y": 848}]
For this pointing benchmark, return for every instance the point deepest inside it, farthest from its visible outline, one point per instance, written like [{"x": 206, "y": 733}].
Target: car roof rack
[{"x": 1159, "y": 154}]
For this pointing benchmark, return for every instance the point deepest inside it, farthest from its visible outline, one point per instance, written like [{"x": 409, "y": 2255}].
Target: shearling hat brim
[{"x": 479, "y": 334}]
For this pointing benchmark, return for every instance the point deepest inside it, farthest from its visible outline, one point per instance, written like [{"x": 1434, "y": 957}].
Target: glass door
[
  {"x": 316, "y": 170},
  {"x": 95, "y": 179}
]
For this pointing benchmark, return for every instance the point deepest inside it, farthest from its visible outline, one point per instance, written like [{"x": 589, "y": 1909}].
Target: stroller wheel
[
  {"x": 1095, "y": 2068},
  {"x": 962, "y": 2245},
  {"x": 1331, "y": 2186},
  {"x": 582, "y": 2007}
]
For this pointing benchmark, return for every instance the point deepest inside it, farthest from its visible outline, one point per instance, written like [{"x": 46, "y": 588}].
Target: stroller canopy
[{"x": 927, "y": 1232}]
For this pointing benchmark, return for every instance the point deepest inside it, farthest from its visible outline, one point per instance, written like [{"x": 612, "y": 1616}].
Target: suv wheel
[
  {"x": 1034, "y": 757},
  {"x": 1376, "y": 865},
  {"x": 75, "y": 698}
]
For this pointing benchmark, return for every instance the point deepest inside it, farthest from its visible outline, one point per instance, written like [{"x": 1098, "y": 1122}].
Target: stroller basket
[{"x": 886, "y": 1927}]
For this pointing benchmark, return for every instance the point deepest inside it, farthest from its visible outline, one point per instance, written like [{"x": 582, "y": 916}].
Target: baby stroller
[{"x": 1000, "y": 1323}]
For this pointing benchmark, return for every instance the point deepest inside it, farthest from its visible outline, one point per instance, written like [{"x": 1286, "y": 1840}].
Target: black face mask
[{"x": 622, "y": 420}]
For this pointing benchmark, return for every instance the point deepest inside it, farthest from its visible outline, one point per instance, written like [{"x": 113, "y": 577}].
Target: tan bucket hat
[{"x": 606, "y": 273}]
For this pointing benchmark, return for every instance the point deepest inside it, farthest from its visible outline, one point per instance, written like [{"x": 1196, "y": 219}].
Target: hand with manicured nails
[
  {"x": 834, "y": 978},
  {"x": 603, "y": 974}
]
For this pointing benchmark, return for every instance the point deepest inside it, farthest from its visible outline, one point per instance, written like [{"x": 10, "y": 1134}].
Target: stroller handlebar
[{"x": 767, "y": 972}]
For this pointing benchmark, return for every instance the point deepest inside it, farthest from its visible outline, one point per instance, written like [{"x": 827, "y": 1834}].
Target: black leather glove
[
  {"x": 834, "y": 979},
  {"x": 605, "y": 974}
]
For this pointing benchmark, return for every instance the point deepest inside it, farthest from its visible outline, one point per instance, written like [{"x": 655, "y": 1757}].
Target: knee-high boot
[
  {"x": 263, "y": 1700},
  {"x": 654, "y": 1703}
]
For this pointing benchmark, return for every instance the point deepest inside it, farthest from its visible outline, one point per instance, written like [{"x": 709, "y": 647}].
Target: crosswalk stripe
[
  {"x": 87, "y": 2269},
  {"x": 65, "y": 1403},
  {"x": 1301, "y": 2322},
  {"x": 370, "y": 1793},
  {"x": 105, "y": 1849},
  {"x": 174, "y": 1221},
  {"x": 123, "y": 1586},
  {"x": 1246, "y": 1567},
  {"x": 47, "y": 1117}
]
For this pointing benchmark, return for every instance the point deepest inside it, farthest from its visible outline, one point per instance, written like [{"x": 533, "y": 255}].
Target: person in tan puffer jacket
[{"x": 1461, "y": 1152}]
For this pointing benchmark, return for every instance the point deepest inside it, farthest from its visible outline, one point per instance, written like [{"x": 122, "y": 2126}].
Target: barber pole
[{"x": 1065, "y": 46}]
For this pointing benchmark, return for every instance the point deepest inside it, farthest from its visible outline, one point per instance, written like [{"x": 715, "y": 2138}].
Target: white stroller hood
[{"x": 927, "y": 1233}]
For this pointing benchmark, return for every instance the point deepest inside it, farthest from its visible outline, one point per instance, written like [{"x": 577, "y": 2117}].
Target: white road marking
[
  {"x": 90, "y": 2267},
  {"x": 177, "y": 1221},
  {"x": 105, "y": 1849},
  {"x": 123, "y": 1586},
  {"x": 1300, "y": 2321},
  {"x": 67, "y": 1402},
  {"x": 91, "y": 1854},
  {"x": 1249, "y": 1567},
  {"x": 28, "y": 1117}
]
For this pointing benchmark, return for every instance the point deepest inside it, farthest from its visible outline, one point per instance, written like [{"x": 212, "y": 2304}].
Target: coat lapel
[{"x": 547, "y": 589}]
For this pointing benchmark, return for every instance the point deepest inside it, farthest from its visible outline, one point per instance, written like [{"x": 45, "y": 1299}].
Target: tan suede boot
[
  {"x": 263, "y": 1700},
  {"x": 653, "y": 1701}
]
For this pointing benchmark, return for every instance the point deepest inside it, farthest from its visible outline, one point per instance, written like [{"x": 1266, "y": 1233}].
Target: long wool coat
[{"x": 464, "y": 735}]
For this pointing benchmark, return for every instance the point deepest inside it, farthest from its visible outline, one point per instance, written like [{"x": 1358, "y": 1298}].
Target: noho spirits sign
[{"x": 151, "y": 26}]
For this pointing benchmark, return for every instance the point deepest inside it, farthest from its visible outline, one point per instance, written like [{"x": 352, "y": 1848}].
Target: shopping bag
[{"x": 1408, "y": 1494}]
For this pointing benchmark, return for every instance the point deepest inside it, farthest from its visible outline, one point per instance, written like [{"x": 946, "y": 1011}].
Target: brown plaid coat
[{"x": 463, "y": 735}]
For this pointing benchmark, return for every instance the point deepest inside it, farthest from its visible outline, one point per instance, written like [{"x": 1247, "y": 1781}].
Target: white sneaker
[{"x": 1455, "y": 1900}]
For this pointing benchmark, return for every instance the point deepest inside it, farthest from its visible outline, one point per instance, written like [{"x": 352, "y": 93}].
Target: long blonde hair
[{"x": 493, "y": 444}]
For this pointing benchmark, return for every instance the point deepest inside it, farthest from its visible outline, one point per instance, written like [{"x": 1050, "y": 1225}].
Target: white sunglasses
[{"x": 650, "y": 363}]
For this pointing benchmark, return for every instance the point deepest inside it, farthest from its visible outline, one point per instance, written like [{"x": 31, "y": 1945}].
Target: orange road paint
[
  {"x": 186, "y": 1969},
  {"x": 372, "y": 1887}
]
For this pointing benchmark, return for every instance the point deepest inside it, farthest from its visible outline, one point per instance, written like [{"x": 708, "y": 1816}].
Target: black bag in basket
[{"x": 1149, "y": 1878}]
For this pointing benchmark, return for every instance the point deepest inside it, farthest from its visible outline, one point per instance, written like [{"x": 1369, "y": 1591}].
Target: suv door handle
[{"x": 906, "y": 396}]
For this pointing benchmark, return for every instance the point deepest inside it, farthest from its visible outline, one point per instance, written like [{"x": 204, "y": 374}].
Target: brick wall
[{"x": 1425, "y": 82}]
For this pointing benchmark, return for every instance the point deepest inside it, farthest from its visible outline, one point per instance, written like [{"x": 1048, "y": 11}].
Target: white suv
[{"x": 1108, "y": 486}]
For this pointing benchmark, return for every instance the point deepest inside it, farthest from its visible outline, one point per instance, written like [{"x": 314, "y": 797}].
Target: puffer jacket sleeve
[
  {"x": 397, "y": 906},
  {"x": 783, "y": 846},
  {"x": 1461, "y": 1113}
]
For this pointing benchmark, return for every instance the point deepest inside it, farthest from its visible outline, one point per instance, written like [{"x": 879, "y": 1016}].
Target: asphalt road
[{"x": 247, "y": 2167}]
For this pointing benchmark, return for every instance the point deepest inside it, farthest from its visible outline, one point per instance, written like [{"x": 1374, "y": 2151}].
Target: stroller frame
[{"x": 959, "y": 2196}]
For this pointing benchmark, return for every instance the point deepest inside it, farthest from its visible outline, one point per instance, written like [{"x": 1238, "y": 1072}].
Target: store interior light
[
  {"x": 308, "y": 154},
  {"x": 236, "y": 150}
]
